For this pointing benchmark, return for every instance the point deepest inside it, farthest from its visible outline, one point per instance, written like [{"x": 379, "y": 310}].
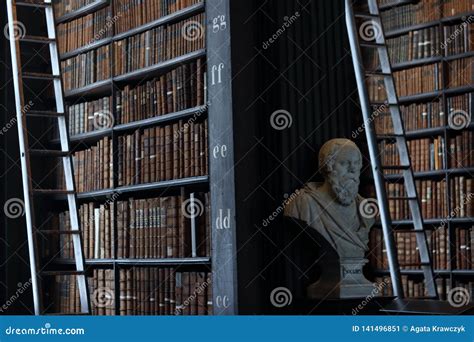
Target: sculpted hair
[{"x": 328, "y": 153}]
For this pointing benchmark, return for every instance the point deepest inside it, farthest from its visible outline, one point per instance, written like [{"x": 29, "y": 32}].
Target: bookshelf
[
  {"x": 104, "y": 89},
  {"x": 453, "y": 248}
]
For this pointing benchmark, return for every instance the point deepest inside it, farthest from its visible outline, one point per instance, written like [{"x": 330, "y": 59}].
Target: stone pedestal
[
  {"x": 343, "y": 279},
  {"x": 353, "y": 283}
]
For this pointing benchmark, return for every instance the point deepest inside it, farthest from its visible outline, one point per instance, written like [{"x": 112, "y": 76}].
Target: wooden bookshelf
[
  {"x": 109, "y": 87},
  {"x": 451, "y": 273}
]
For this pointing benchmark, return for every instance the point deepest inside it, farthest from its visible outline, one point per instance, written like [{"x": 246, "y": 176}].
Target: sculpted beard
[{"x": 345, "y": 188}]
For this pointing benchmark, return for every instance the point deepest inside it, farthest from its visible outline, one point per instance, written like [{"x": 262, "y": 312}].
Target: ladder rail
[
  {"x": 409, "y": 179},
  {"x": 375, "y": 165},
  {"x": 67, "y": 160},
  {"x": 24, "y": 156}
]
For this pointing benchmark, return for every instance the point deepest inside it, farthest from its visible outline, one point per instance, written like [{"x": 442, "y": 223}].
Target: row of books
[
  {"x": 426, "y": 154},
  {"x": 86, "y": 68},
  {"x": 90, "y": 116},
  {"x": 461, "y": 153},
  {"x": 134, "y": 13},
  {"x": 407, "y": 250},
  {"x": 62, "y": 7},
  {"x": 464, "y": 246},
  {"x": 85, "y": 30},
  {"x": 422, "y": 79},
  {"x": 430, "y": 154},
  {"x": 432, "y": 195},
  {"x": 137, "y": 52},
  {"x": 418, "y": 116},
  {"x": 164, "y": 291},
  {"x": 93, "y": 168},
  {"x": 415, "y": 288},
  {"x": 65, "y": 293},
  {"x": 462, "y": 193},
  {"x": 415, "y": 45},
  {"x": 177, "y": 90},
  {"x": 411, "y": 14},
  {"x": 460, "y": 72},
  {"x": 415, "y": 116},
  {"x": 459, "y": 38},
  {"x": 97, "y": 228},
  {"x": 161, "y": 227},
  {"x": 454, "y": 7},
  {"x": 159, "y": 44},
  {"x": 163, "y": 153},
  {"x": 182, "y": 88},
  {"x": 433, "y": 200}
]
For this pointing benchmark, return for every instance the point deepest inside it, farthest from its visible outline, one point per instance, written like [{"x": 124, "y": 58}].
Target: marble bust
[{"x": 333, "y": 210}]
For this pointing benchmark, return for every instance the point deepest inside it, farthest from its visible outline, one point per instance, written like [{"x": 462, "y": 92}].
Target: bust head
[{"x": 340, "y": 161}]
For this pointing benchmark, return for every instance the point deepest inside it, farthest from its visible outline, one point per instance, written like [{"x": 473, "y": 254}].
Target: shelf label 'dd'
[{"x": 223, "y": 220}]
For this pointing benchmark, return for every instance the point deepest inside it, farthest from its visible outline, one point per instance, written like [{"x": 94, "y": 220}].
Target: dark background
[{"x": 308, "y": 72}]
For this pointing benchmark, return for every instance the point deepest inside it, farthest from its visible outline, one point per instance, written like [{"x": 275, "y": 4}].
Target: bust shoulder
[{"x": 304, "y": 204}]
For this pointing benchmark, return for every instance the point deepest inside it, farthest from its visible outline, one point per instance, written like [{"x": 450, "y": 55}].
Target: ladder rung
[
  {"x": 43, "y": 113},
  {"x": 367, "y": 16},
  {"x": 49, "y": 153},
  {"x": 378, "y": 73},
  {"x": 52, "y": 192},
  {"x": 36, "y": 39},
  {"x": 403, "y": 198},
  {"x": 39, "y": 76},
  {"x": 389, "y": 136},
  {"x": 59, "y": 232},
  {"x": 372, "y": 45},
  {"x": 395, "y": 167},
  {"x": 58, "y": 273},
  {"x": 420, "y": 264},
  {"x": 32, "y": 3}
]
